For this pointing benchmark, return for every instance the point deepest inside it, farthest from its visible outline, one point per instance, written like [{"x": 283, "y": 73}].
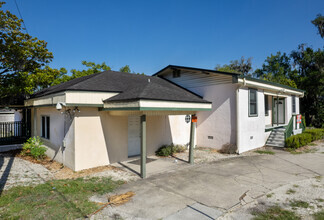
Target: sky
[{"x": 149, "y": 35}]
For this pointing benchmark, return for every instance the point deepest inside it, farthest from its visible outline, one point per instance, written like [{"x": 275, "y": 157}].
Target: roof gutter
[{"x": 259, "y": 85}]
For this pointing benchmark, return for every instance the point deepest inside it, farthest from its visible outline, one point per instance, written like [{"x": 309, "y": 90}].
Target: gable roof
[
  {"x": 195, "y": 69},
  {"x": 129, "y": 86},
  {"x": 233, "y": 74}
]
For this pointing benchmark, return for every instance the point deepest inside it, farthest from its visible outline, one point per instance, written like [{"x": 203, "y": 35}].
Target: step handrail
[{"x": 290, "y": 127}]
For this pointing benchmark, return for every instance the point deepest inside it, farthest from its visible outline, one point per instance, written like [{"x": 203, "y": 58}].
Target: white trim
[
  {"x": 157, "y": 104},
  {"x": 273, "y": 88}
]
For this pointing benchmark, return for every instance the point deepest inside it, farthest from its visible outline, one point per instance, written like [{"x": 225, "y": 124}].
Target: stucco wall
[
  {"x": 101, "y": 138},
  {"x": 220, "y": 122},
  {"x": 58, "y": 133},
  {"x": 252, "y": 129},
  {"x": 180, "y": 130}
]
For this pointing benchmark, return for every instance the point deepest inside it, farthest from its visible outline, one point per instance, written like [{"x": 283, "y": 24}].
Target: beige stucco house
[{"x": 110, "y": 116}]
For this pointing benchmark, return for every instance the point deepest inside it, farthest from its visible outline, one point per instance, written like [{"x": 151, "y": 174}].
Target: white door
[{"x": 134, "y": 136}]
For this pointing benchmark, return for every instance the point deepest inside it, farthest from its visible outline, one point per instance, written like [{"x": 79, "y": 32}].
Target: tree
[
  {"x": 277, "y": 68},
  {"x": 319, "y": 23},
  {"x": 21, "y": 56},
  {"x": 309, "y": 65},
  {"x": 243, "y": 66},
  {"x": 125, "y": 69}
]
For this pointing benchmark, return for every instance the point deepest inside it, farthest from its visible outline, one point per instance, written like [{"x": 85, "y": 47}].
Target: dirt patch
[{"x": 62, "y": 172}]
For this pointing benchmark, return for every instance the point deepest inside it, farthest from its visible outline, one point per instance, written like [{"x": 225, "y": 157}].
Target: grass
[
  {"x": 319, "y": 200},
  {"x": 270, "y": 195},
  {"x": 319, "y": 215},
  {"x": 290, "y": 191},
  {"x": 293, "y": 151},
  {"x": 275, "y": 213},
  {"x": 295, "y": 185},
  {"x": 265, "y": 152},
  {"x": 57, "y": 199},
  {"x": 299, "y": 204}
]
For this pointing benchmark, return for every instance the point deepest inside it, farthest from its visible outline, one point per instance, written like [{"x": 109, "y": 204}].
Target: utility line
[{"x": 21, "y": 16}]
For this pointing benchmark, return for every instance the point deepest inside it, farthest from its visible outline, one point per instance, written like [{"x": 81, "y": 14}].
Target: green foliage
[
  {"x": 56, "y": 199},
  {"x": 125, "y": 69},
  {"x": 300, "y": 140},
  {"x": 299, "y": 204},
  {"x": 33, "y": 147},
  {"x": 309, "y": 64},
  {"x": 169, "y": 150},
  {"x": 319, "y": 215},
  {"x": 319, "y": 23},
  {"x": 265, "y": 152},
  {"x": 243, "y": 66},
  {"x": 275, "y": 213},
  {"x": 277, "y": 68},
  {"x": 21, "y": 55},
  {"x": 316, "y": 134}
]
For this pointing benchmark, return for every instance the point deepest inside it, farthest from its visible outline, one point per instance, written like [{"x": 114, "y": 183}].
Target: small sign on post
[
  {"x": 194, "y": 118},
  {"x": 299, "y": 119}
]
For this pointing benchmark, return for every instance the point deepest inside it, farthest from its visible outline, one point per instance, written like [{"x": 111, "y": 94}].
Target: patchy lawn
[
  {"x": 265, "y": 152},
  {"x": 56, "y": 199},
  {"x": 275, "y": 213}
]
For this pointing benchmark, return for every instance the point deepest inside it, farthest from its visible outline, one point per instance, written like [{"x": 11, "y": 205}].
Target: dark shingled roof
[{"x": 130, "y": 87}]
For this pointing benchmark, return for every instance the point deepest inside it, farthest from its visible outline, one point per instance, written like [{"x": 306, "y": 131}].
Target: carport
[{"x": 149, "y": 107}]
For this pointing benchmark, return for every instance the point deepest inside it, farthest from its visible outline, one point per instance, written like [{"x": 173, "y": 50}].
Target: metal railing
[
  {"x": 290, "y": 127},
  {"x": 14, "y": 132}
]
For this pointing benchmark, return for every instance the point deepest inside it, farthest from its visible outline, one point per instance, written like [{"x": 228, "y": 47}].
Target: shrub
[
  {"x": 169, "y": 150},
  {"x": 299, "y": 140},
  {"x": 315, "y": 133},
  {"x": 33, "y": 147}
]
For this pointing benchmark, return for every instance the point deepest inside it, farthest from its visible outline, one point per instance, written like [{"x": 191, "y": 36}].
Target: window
[
  {"x": 293, "y": 104},
  {"x": 266, "y": 105},
  {"x": 176, "y": 73},
  {"x": 45, "y": 127},
  {"x": 253, "y": 103}
]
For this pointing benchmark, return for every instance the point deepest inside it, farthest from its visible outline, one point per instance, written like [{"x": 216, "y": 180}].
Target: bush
[
  {"x": 169, "y": 150},
  {"x": 33, "y": 147},
  {"x": 315, "y": 133},
  {"x": 300, "y": 140}
]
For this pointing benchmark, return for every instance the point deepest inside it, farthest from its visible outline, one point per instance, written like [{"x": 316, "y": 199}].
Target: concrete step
[
  {"x": 276, "y": 138},
  {"x": 275, "y": 145}
]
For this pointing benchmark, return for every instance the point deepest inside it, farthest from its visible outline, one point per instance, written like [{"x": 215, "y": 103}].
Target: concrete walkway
[{"x": 208, "y": 191}]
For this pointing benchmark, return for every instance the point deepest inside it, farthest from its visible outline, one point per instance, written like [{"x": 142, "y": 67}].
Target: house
[
  {"x": 111, "y": 116},
  {"x": 245, "y": 111}
]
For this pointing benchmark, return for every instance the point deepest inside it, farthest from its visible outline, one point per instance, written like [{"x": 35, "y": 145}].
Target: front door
[
  {"x": 134, "y": 136},
  {"x": 278, "y": 111}
]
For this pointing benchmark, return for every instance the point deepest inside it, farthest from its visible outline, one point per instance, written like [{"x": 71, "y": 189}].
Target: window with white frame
[
  {"x": 253, "y": 103},
  {"x": 293, "y": 101},
  {"x": 45, "y": 127}
]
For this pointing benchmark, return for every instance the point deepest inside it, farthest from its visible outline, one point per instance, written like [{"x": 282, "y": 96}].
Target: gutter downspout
[{"x": 238, "y": 116}]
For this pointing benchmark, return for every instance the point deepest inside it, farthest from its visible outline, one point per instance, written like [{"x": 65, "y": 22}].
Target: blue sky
[{"x": 148, "y": 35}]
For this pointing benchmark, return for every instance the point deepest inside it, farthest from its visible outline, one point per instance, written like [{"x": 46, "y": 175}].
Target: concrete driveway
[{"x": 208, "y": 191}]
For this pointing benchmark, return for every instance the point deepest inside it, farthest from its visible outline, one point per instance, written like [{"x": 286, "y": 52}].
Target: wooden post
[
  {"x": 192, "y": 138},
  {"x": 143, "y": 146}
]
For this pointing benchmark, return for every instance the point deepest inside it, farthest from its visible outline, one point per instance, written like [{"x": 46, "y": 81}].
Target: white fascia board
[
  {"x": 156, "y": 104},
  {"x": 72, "y": 98},
  {"x": 48, "y": 100},
  {"x": 274, "y": 88}
]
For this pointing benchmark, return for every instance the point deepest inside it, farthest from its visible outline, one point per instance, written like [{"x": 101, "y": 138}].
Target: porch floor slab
[{"x": 154, "y": 165}]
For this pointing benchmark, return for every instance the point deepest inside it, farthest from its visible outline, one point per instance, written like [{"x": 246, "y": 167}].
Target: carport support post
[
  {"x": 192, "y": 141},
  {"x": 143, "y": 146}
]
